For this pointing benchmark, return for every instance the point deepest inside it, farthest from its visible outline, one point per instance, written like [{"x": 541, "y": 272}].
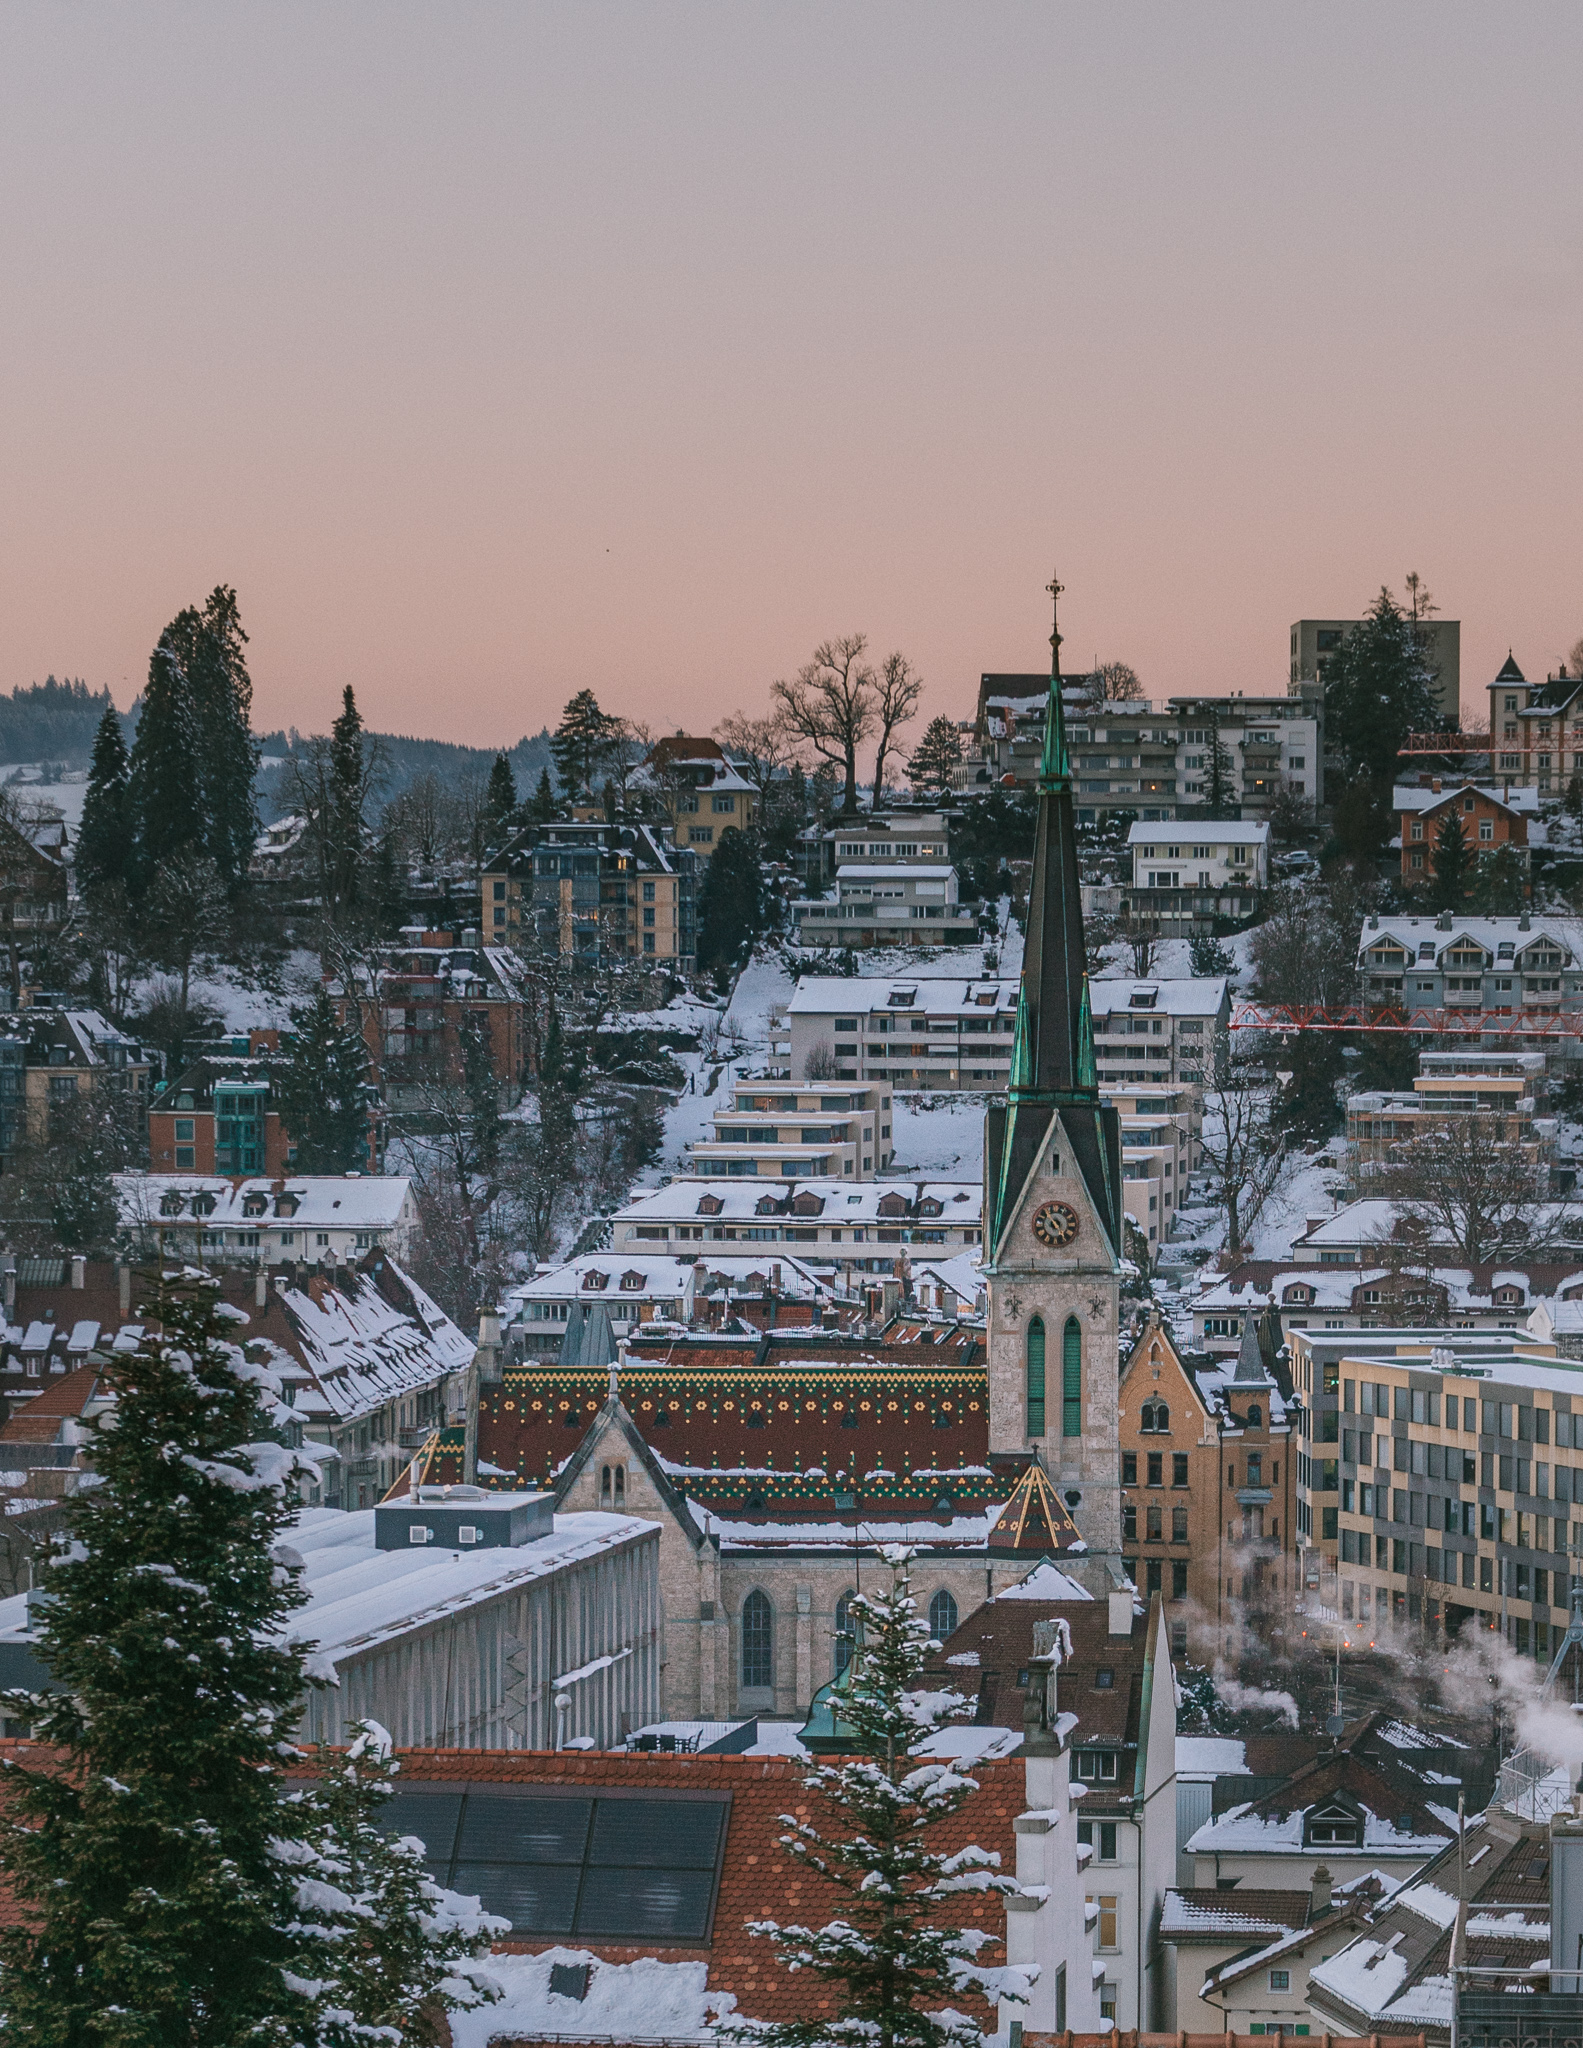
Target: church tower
[{"x": 1052, "y": 1191}]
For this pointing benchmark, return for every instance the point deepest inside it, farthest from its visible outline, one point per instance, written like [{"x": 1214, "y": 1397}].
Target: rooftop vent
[{"x": 463, "y": 1518}]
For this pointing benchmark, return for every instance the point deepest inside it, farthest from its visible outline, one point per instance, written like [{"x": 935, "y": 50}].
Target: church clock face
[{"x": 1055, "y": 1224}]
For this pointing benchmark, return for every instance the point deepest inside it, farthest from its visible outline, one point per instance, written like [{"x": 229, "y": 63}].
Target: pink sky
[{"x": 495, "y": 352}]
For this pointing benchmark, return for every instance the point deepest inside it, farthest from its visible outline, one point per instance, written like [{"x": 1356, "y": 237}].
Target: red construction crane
[{"x": 1520, "y": 1023}]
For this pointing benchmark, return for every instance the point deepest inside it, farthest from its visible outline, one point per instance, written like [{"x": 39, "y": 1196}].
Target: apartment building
[
  {"x": 1208, "y": 1490},
  {"x": 1536, "y": 729},
  {"x": 888, "y": 903},
  {"x": 1489, "y": 822},
  {"x": 770, "y": 1131},
  {"x": 1496, "y": 1088},
  {"x": 1440, "y": 1480},
  {"x": 1496, "y": 1295},
  {"x": 1183, "y": 881},
  {"x": 1159, "y": 1148},
  {"x": 595, "y": 892},
  {"x": 51, "y": 1056},
  {"x": 417, "y": 1002},
  {"x": 1514, "y": 968},
  {"x": 1147, "y": 762},
  {"x": 829, "y": 1223},
  {"x": 704, "y": 793},
  {"x": 1316, "y": 642},
  {"x": 920, "y": 1033},
  {"x": 297, "y": 1219},
  {"x": 1158, "y": 1034},
  {"x": 896, "y": 838}
]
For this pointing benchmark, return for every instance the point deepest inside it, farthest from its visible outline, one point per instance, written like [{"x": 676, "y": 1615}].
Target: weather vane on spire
[{"x": 1055, "y": 587}]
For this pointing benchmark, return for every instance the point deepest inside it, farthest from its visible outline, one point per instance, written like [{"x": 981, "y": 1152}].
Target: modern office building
[{"x": 1315, "y": 643}]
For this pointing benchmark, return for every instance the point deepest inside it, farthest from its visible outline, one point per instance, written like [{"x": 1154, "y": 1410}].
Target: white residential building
[
  {"x": 921, "y": 1033},
  {"x": 316, "y": 1219},
  {"x": 1195, "y": 872},
  {"x": 890, "y": 903},
  {"x": 830, "y": 1225},
  {"x": 769, "y": 1130}
]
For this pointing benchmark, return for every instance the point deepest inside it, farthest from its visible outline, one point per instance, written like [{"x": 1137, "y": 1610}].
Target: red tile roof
[{"x": 758, "y": 1880}]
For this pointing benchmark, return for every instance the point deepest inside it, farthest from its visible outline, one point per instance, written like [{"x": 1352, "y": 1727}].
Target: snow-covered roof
[
  {"x": 361, "y": 1349},
  {"x": 1184, "y": 996},
  {"x": 1200, "y": 1758},
  {"x": 1242, "y": 1830},
  {"x": 894, "y": 871},
  {"x": 608, "y": 1276},
  {"x": 1490, "y": 933},
  {"x": 1412, "y": 797},
  {"x": 954, "y": 1532},
  {"x": 323, "y": 1201},
  {"x": 961, "y": 1276},
  {"x": 832, "y": 995},
  {"x": 961, "y": 1203},
  {"x": 1242, "y": 1918},
  {"x": 1333, "y": 1287},
  {"x": 1231, "y": 831},
  {"x": 1045, "y": 1582},
  {"x": 644, "y": 2000}
]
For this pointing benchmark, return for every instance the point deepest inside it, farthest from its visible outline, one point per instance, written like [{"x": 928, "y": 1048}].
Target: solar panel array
[{"x": 634, "y": 1867}]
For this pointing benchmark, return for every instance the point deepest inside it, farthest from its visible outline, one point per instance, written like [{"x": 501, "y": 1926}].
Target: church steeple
[{"x": 1052, "y": 1061}]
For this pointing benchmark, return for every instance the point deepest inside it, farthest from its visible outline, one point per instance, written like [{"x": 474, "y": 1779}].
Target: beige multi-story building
[
  {"x": 1440, "y": 1480},
  {"x": 767, "y": 1129},
  {"x": 1316, "y": 642},
  {"x": 1138, "y": 759},
  {"x": 594, "y": 892},
  {"x": 705, "y": 794},
  {"x": 1536, "y": 729}
]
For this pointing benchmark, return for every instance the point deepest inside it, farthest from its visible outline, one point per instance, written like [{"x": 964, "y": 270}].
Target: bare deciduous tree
[
  {"x": 1575, "y": 659},
  {"x": 1242, "y": 1151},
  {"x": 831, "y": 706},
  {"x": 1469, "y": 1183},
  {"x": 897, "y": 689},
  {"x": 1306, "y": 951},
  {"x": 761, "y": 747},
  {"x": 1114, "y": 682}
]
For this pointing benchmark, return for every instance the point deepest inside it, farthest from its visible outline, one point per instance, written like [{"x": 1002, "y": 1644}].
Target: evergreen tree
[
  {"x": 542, "y": 807},
  {"x": 500, "y": 803},
  {"x": 899, "y": 1970},
  {"x": 346, "y": 797},
  {"x": 730, "y": 902},
  {"x": 164, "y": 787},
  {"x": 154, "y": 1872},
  {"x": 1307, "y": 1105},
  {"x": 1220, "y": 787},
  {"x": 583, "y": 743},
  {"x": 209, "y": 643},
  {"x": 935, "y": 759},
  {"x": 1500, "y": 882},
  {"x": 322, "y": 1090},
  {"x": 403, "y": 1950},
  {"x": 1208, "y": 956},
  {"x": 185, "y": 913},
  {"x": 1453, "y": 865},
  {"x": 104, "y": 839},
  {"x": 1361, "y": 820},
  {"x": 1379, "y": 686}
]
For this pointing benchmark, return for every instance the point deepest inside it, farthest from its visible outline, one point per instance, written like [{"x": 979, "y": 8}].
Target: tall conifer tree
[
  {"x": 104, "y": 840},
  {"x": 323, "y": 1090},
  {"x": 347, "y": 791},
  {"x": 153, "y": 1872},
  {"x": 165, "y": 788},
  {"x": 500, "y": 803},
  {"x": 210, "y": 644}
]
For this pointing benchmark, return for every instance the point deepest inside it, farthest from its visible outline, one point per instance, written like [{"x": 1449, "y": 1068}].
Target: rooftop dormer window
[
  {"x": 1333, "y": 1826},
  {"x": 631, "y": 1283},
  {"x": 596, "y": 1282}
]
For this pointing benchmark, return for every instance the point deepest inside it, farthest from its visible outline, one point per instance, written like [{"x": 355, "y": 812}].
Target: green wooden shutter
[
  {"x": 1035, "y": 1376},
  {"x": 1072, "y": 1378}
]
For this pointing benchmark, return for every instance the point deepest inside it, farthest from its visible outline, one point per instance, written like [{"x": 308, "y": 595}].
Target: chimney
[
  {"x": 261, "y": 1289},
  {"x": 1434, "y": 784},
  {"x": 1311, "y": 1224},
  {"x": 1566, "y": 1903},
  {"x": 123, "y": 1279},
  {"x": 1121, "y": 1614},
  {"x": 1320, "y": 1896},
  {"x": 10, "y": 1286},
  {"x": 79, "y": 1271},
  {"x": 487, "y": 1358},
  {"x": 890, "y": 1299}
]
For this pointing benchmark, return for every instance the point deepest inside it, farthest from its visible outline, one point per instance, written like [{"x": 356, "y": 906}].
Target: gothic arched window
[
  {"x": 1035, "y": 1376},
  {"x": 843, "y": 1631},
  {"x": 758, "y": 1669},
  {"x": 1072, "y": 1378},
  {"x": 942, "y": 1615}
]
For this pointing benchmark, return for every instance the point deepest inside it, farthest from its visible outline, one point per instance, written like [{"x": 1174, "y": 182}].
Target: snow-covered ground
[{"x": 67, "y": 796}]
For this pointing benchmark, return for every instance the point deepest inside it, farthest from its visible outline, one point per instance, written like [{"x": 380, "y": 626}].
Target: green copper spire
[{"x": 1055, "y": 768}]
